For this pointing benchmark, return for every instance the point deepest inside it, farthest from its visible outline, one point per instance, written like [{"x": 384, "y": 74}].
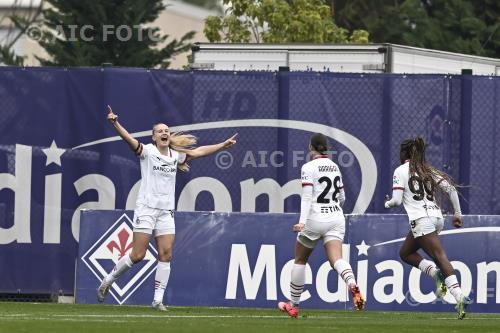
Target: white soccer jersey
[
  {"x": 158, "y": 177},
  {"x": 324, "y": 176},
  {"x": 418, "y": 198}
]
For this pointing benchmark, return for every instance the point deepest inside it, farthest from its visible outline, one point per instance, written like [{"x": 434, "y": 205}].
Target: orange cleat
[
  {"x": 293, "y": 311},
  {"x": 357, "y": 298}
]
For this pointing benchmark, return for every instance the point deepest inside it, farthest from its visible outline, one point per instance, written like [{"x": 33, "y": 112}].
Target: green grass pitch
[{"x": 54, "y": 318}]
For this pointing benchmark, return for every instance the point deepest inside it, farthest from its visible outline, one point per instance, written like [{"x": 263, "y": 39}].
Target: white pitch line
[
  {"x": 62, "y": 316},
  {"x": 92, "y": 318},
  {"x": 469, "y": 318},
  {"x": 169, "y": 316},
  {"x": 83, "y": 320},
  {"x": 163, "y": 316}
]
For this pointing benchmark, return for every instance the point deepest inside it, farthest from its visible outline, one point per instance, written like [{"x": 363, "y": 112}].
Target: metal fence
[{"x": 58, "y": 154}]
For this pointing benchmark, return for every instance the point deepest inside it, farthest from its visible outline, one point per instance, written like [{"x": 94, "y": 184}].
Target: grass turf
[{"x": 55, "y": 318}]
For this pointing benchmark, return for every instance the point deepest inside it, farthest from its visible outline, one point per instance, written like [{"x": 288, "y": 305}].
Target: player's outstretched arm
[
  {"x": 210, "y": 149},
  {"x": 122, "y": 132}
]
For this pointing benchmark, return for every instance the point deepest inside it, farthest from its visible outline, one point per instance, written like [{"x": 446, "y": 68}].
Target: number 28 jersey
[
  {"x": 324, "y": 176},
  {"x": 418, "y": 197}
]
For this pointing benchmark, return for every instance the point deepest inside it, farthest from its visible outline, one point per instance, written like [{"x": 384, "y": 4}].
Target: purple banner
[
  {"x": 59, "y": 155},
  {"x": 243, "y": 259}
]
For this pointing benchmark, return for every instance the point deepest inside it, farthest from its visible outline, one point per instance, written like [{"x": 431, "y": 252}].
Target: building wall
[
  {"x": 178, "y": 19},
  {"x": 24, "y": 46}
]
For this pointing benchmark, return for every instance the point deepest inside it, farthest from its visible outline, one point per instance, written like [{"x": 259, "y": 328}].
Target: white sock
[
  {"x": 453, "y": 286},
  {"x": 297, "y": 283},
  {"x": 121, "y": 267},
  {"x": 345, "y": 271},
  {"x": 161, "y": 280},
  {"x": 428, "y": 267}
]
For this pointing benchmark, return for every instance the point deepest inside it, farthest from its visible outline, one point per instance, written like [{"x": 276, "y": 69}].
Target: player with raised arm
[
  {"x": 154, "y": 212},
  {"x": 321, "y": 217},
  {"x": 415, "y": 183}
]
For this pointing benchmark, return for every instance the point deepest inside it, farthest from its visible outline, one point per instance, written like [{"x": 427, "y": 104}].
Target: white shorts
[
  {"x": 147, "y": 220},
  {"x": 314, "y": 231},
  {"x": 426, "y": 225}
]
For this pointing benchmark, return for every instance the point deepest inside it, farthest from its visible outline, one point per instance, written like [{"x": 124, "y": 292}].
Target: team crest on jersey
[{"x": 105, "y": 253}]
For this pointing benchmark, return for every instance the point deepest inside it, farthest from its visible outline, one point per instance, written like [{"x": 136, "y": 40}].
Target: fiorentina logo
[{"x": 111, "y": 247}]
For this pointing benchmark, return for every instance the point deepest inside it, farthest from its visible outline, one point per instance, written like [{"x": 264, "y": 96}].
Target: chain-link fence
[
  {"x": 58, "y": 154},
  {"x": 457, "y": 115}
]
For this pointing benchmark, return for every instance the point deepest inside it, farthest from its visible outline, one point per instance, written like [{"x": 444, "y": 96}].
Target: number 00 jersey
[
  {"x": 158, "y": 177},
  {"x": 325, "y": 178},
  {"x": 418, "y": 197}
]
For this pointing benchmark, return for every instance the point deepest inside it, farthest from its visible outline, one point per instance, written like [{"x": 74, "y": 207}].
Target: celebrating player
[
  {"x": 415, "y": 183},
  {"x": 154, "y": 212},
  {"x": 321, "y": 217}
]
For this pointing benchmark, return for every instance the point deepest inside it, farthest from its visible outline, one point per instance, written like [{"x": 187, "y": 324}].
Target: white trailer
[{"x": 353, "y": 58}]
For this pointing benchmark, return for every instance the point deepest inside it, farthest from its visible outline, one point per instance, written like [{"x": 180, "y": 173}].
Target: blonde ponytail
[{"x": 182, "y": 143}]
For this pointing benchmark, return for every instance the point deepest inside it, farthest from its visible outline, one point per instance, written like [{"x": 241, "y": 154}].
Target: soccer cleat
[
  {"x": 357, "y": 298},
  {"x": 462, "y": 306},
  {"x": 293, "y": 311},
  {"x": 158, "y": 306},
  {"x": 441, "y": 288},
  {"x": 102, "y": 291}
]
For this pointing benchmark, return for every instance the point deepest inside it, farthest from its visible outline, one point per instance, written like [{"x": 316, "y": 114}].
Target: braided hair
[{"x": 414, "y": 150}]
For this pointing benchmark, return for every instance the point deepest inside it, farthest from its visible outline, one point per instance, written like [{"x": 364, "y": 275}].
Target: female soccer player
[
  {"x": 154, "y": 212},
  {"x": 321, "y": 217},
  {"x": 415, "y": 183}
]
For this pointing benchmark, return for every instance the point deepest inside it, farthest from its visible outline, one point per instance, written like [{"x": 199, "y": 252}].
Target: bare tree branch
[
  {"x": 255, "y": 30},
  {"x": 27, "y": 22},
  {"x": 31, "y": 16}
]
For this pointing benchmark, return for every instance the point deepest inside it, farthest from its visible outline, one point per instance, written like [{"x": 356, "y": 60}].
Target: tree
[
  {"x": 9, "y": 57},
  {"x": 278, "y": 21},
  {"x": 78, "y": 33},
  {"x": 463, "y": 26}
]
